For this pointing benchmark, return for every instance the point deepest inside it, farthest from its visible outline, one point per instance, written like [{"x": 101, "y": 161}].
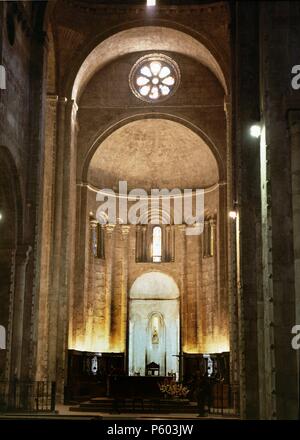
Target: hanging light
[{"x": 232, "y": 214}]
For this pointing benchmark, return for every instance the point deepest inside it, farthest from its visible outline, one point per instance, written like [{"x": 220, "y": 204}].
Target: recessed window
[
  {"x": 154, "y": 78},
  {"x": 97, "y": 239},
  {"x": 209, "y": 237},
  {"x": 157, "y": 245},
  {"x": 154, "y": 244}
]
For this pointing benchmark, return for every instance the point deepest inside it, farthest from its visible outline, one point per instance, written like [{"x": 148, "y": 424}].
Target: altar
[{"x": 134, "y": 387}]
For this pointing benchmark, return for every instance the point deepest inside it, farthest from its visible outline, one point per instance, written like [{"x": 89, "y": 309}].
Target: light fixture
[
  {"x": 232, "y": 214},
  {"x": 255, "y": 130},
  {"x": 1, "y": 216},
  {"x": 151, "y": 2}
]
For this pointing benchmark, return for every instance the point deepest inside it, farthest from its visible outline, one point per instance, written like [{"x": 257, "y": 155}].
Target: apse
[{"x": 153, "y": 153}]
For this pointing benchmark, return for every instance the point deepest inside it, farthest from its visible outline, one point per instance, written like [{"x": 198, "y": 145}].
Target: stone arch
[
  {"x": 103, "y": 134},
  {"x": 201, "y": 48},
  {"x": 160, "y": 282},
  {"x": 154, "y": 294}
]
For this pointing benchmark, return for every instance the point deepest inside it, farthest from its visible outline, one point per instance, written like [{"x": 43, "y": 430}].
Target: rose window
[{"x": 154, "y": 78}]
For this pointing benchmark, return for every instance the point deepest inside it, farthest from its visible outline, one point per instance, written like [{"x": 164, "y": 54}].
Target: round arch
[
  {"x": 153, "y": 285},
  {"x": 126, "y": 38},
  {"x": 154, "y": 323},
  {"x": 100, "y": 137}
]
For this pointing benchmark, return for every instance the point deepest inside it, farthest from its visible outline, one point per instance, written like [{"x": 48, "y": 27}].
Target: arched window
[{"x": 156, "y": 244}]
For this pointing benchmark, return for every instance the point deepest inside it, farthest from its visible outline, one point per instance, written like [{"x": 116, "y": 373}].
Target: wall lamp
[{"x": 255, "y": 131}]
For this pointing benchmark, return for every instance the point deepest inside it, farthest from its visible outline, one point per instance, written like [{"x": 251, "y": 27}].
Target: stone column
[
  {"x": 247, "y": 166},
  {"x": 21, "y": 260},
  {"x": 221, "y": 261},
  {"x": 125, "y": 230},
  {"x": 89, "y": 299},
  {"x": 294, "y": 134},
  {"x": 145, "y": 248},
  {"x": 7, "y": 276},
  {"x": 63, "y": 242},
  {"x": 56, "y": 240},
  {"x": 109, "y": 256},
  {"x": 281, "y": 397},
  {"x": 199, "y": 293},
  {"x": 45, "y": 234},
  {"x": 77, "y": 297},
  {"x": 183, "y": 318},
  {"x": 190, "y": 297},
  {"x": 232, "y": 256},
  {"x": 38, "y": 50}
]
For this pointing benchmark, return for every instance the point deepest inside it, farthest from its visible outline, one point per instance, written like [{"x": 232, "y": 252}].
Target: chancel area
[{"x": 117, "y": 120}]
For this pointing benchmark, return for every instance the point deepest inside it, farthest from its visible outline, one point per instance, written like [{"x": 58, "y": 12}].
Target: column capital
[
  {"x": 62, "y": 100},
  {"x": 52, "y": 98},
  {"x": 93, "y": 223},
  {"x": 182, "y": 228},
  {"x": 109, "y": 229},
  {"x": 125, "y": 229}
]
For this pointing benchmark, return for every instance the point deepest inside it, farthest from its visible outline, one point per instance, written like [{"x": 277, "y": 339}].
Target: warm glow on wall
[
  {"x": 217, "y": 345},
  {"x": 93, "y": 340},
  {"x": 96, "y": 342}
]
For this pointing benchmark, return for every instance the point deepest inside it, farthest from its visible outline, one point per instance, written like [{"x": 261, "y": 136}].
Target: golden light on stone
[{"x": 220, "y": 345}]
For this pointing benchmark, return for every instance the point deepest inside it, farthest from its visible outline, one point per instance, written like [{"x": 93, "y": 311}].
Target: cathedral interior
[{"x": 166, "y": 95}]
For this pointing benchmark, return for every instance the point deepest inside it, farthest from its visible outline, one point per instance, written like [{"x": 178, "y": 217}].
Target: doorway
[{"x": 154, "y": 325}]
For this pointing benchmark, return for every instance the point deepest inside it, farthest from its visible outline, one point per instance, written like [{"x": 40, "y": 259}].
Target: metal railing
[
  {"x": 224, "y": 399},
  {"x": 26, "y": 396}
]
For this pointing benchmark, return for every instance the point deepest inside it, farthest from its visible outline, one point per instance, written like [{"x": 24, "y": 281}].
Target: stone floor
[{"x": 63, "y": 413}]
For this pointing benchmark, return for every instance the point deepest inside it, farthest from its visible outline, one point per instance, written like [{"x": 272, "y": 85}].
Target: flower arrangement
[{"x": 174, "y": 389}]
